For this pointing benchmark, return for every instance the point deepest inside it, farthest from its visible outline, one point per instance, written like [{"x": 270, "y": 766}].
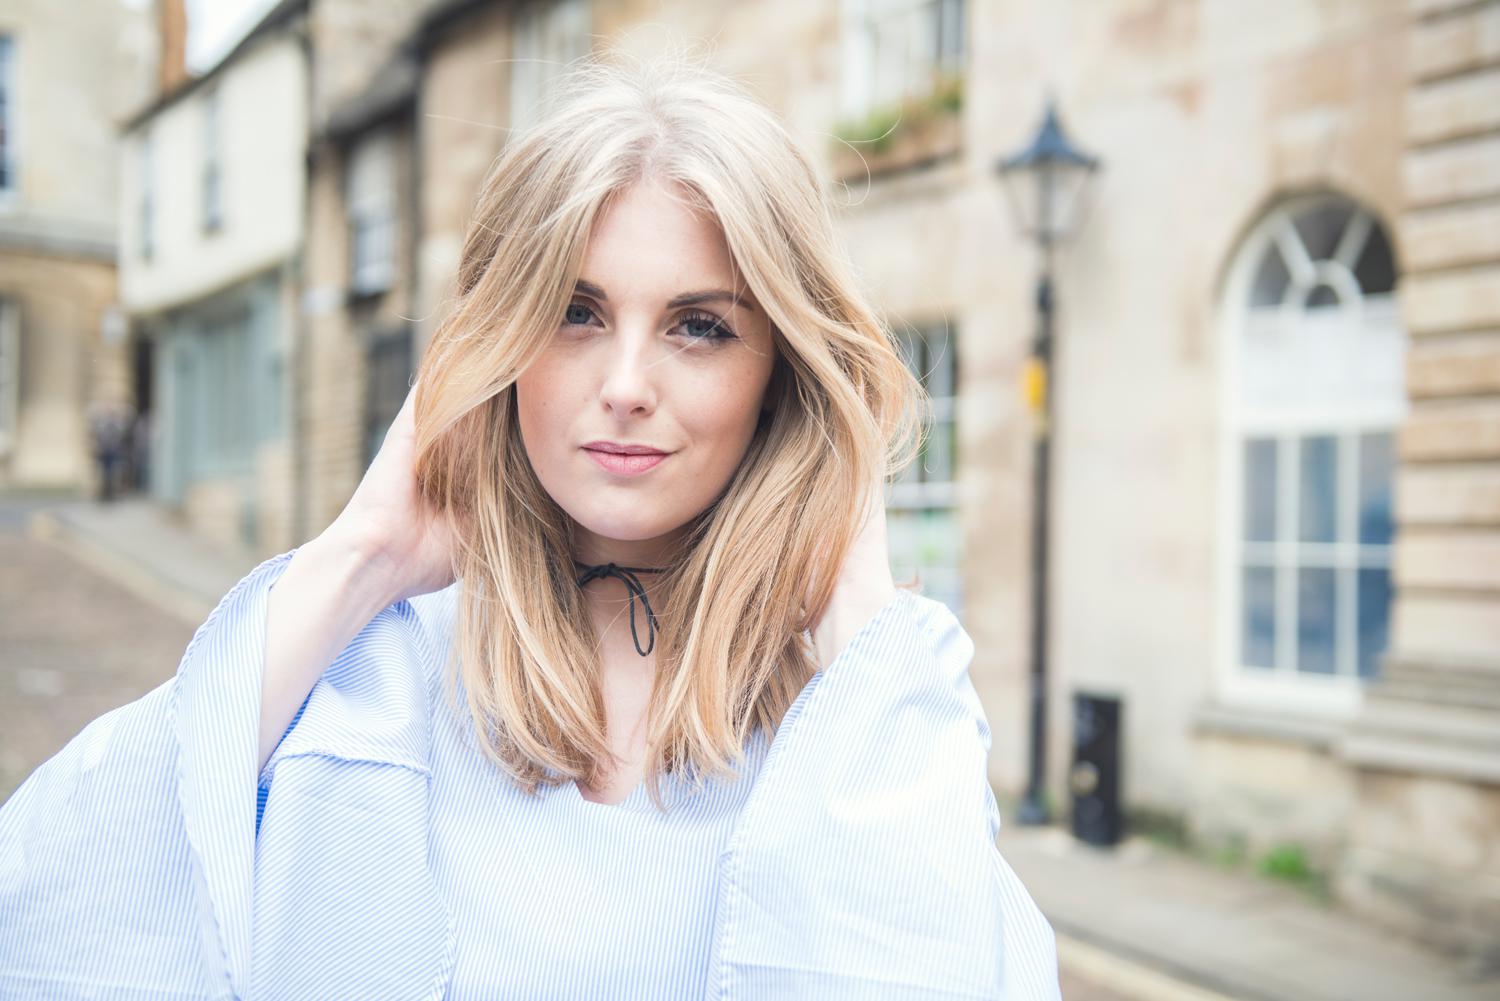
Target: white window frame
[
  {"x": 10, "y": 373},
  {"x": 1379, "y": 407},
  {"x": 915, "y": 491},
  {"x": 370, "y": 190},
  {"x": 894, "y": 49},
  {"x": 549, "y": 36}
]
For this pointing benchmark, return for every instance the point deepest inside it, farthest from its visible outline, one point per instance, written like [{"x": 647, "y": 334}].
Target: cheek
[
  {"x": 726, "y": 408},
  {"x": 543, "y": 389},
  {"x": 540, "y": 406}
]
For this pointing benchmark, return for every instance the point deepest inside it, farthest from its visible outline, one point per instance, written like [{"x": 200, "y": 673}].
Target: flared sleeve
[
  {"x": 864, "y": 863},
  {"x": 149, "y": 859}
]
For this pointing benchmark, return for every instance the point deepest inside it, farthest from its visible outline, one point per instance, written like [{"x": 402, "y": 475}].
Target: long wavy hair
[{"x": 759, "y": 565}]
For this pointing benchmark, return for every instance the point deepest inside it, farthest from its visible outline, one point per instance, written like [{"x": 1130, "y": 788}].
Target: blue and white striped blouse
[{"x": 380, "y": 855}]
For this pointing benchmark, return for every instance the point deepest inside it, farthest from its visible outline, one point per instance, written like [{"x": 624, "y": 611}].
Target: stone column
[{"x": 1424, "y": 841}]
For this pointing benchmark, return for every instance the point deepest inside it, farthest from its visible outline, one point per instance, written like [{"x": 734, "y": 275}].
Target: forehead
[{"x": 651, "y": 242}]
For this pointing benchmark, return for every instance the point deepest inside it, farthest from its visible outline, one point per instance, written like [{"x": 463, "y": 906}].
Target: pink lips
[{"x": 626, "y": 465}]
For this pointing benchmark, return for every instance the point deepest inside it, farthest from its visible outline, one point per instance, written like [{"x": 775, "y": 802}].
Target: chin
[{"x": 624, "y": 526}]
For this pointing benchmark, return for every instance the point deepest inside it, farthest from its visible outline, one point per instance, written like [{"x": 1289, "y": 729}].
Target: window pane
[
  {"x": 1318, "y": 490},
  {"x": 1374, "y": 618},
  {"x": 938, "y": 364},
  {"x": 1315, "y": 620},
  {"x": 7, "y": 100},
  {"x": 1321, "y": 227},
  {"x": 950, "y": 17},
  {"x": 1271, "y": 279},
  {"x": 1322, "y": 297},
  {"x": 934, "y": 460},
  {"x": 1260, "y": 490},
  {"x": 1375, "y": 476},
  {"x": 927, "y": 542},
  {"x": 1258, "y": 618},
  {"x": 1376, "y": 271}
]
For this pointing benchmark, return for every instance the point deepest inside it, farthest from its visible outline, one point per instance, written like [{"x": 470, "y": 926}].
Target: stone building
[
  {"x": 1275, "y": 508},
  {"x": 255, "y": 292},
  {"x": 360, "y": 269},
  {"x": 1423, "y": 753},
  {"x": 213, "y": 185},
  {"x": 66, "y": 77}
]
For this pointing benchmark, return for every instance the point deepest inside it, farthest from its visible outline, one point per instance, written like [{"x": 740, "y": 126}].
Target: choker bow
[{"x": 633, "y": 585}]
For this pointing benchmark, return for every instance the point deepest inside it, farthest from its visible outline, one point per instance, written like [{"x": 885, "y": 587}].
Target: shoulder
[
  {"x": 435, "y": 613},
  {"x": 914, "y": 623}
]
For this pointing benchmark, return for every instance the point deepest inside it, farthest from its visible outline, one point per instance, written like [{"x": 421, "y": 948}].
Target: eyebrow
[{"x": 686, "y": 299}]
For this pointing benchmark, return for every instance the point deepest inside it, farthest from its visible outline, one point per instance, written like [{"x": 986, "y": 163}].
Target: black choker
[{"x": 627, "y": 574}]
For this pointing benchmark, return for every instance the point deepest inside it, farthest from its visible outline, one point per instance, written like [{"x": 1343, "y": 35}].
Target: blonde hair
[{"x": 759, "y": 565}]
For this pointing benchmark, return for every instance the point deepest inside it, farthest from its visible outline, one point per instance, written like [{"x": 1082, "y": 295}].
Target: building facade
[
  {"x": 359, "y": 309},
  {"x": 63, "y": 349},
  {"x": 1275, "y": 505},
  {"x": 213, "y": 182},
  {"x": 1424, "y": 749}
]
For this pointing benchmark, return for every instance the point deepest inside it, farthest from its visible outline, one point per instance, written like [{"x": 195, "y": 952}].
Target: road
[{"x": 73, "y": 645}]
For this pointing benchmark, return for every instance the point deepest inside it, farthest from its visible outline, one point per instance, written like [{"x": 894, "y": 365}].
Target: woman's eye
[
  {"x": 696, "y": 326},
  {"x": 577, "y": 314},
  {"x": 703, "y": 327}
]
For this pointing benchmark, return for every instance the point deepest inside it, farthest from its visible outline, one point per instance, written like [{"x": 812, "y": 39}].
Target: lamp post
[{"x": 1044, "y": 182}]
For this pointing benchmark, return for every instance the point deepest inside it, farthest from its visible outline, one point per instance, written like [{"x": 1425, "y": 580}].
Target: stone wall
[
  {"x": 1424, "y": 853},
  {"x": 338, "y": 328},
  {"x": 65, "y": 364}
]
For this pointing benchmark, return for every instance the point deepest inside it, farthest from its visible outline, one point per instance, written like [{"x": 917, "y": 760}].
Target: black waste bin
[{"x": 1094, "y": 780}]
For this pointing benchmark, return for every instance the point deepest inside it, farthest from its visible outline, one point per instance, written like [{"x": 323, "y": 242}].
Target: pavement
[
  {"x": 1137, "y": 922},
  {"x": 1227, "y": 932},
  {"x": 74, "y": 644},
  {"x": 142, "y": 546}
]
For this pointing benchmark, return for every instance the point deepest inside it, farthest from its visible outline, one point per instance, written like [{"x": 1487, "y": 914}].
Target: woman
[{"x": 505, "y": 728}]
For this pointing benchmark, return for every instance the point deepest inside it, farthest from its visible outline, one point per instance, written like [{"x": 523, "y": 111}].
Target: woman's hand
[
  {"x": 387, "y": 544},
  {"x": 406, "y": 541},
  {"x": 864, "y": 585}
]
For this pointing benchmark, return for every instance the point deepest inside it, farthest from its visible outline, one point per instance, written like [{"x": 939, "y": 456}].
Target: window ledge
[
  {"x": 916, "y": 144},
  {"x": 1393, "y": 753},
  {"x": 1422, "y": 740},
  {"x": 1396, "y": 732},
  {"x": 1225, "y": 719}
]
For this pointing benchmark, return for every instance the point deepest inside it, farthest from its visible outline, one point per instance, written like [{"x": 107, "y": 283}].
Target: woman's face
[{"x": 631, "y": 363}]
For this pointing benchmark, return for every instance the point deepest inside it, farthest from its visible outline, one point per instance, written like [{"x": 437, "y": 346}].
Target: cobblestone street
[{"x": 73, "y": 645}]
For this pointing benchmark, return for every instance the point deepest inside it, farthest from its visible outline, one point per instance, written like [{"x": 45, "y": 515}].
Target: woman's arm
[
  {"x": 325, "y": 596},
  {"x": 387, "y": 544}
]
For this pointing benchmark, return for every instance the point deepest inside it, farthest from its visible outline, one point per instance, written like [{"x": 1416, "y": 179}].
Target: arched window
[{"x": 1313, "y": 390}]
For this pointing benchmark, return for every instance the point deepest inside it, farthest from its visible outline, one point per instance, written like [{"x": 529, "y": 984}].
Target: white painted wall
[{"x": 263, "y": 129}]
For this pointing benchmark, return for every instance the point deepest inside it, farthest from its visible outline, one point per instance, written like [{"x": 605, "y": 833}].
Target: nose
[{"x": 628, "y": 388}]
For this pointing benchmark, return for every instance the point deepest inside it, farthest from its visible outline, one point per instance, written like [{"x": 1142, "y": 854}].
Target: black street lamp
[{"x": 1045, "y": 183}]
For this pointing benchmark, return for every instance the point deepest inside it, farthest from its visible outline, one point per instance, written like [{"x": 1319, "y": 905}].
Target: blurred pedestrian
[{"x": 109, "y": 434}]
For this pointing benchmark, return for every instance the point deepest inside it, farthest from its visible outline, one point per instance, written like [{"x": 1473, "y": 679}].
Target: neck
[{"x": 657, "y": 553}]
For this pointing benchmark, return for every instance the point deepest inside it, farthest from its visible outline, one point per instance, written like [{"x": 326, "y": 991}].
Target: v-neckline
[{"x": 630, "y": 801}]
